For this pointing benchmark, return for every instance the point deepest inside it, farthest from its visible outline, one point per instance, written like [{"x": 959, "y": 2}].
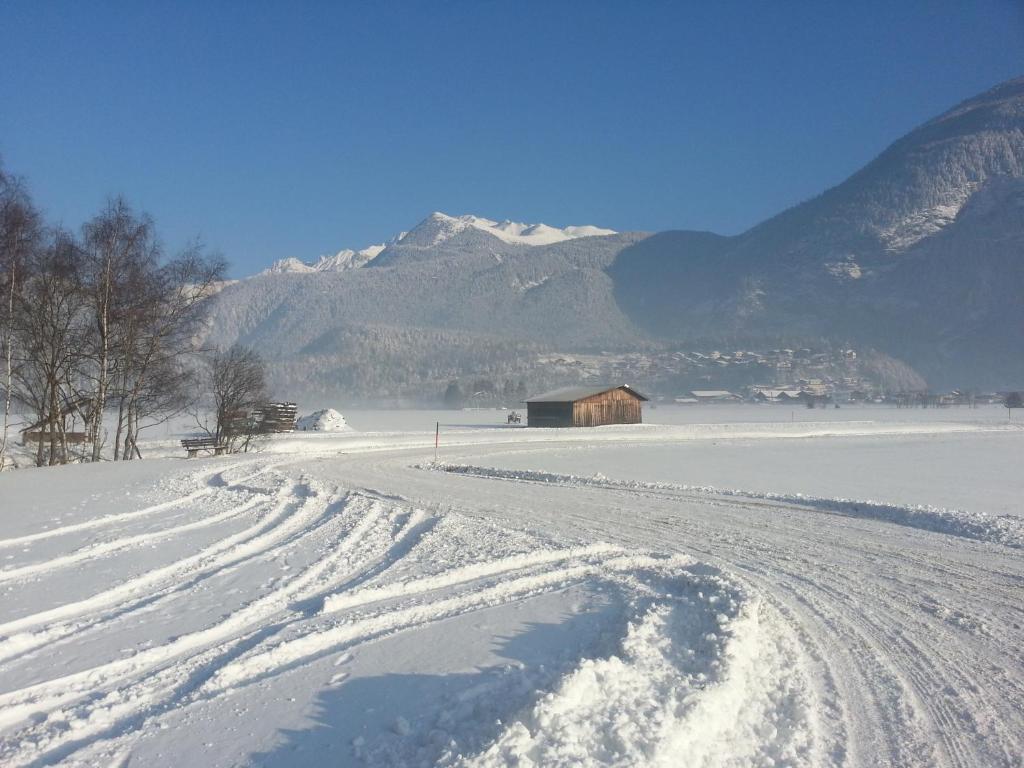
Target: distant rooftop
[{"x": 571, "y": 394}]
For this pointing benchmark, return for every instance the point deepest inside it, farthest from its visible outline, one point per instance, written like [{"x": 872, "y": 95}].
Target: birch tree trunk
[
  {"x": 103, "y": 358},
  {"x": 8, "y": 361}
]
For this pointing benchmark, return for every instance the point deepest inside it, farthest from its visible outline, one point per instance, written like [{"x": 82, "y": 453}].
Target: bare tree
[
  {"x": 169, "y": 390},
  {"x": 236, "y": 380},
  {"x": 19, "y": 236},
  {"x": 157, "y": 381},
  {"x": 49, "y": 338},
  {"x": 119, "y": 252},
  {"x": 86, "y": 325}
]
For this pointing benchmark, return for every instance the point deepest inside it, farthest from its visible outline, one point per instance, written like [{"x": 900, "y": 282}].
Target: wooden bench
[{"x": 195, "y": 444}]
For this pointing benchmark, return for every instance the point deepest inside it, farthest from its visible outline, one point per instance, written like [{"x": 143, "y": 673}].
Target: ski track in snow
[{"x": 758, "y": 630}]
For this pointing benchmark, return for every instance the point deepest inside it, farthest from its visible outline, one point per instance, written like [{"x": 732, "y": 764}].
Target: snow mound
[
  {"x": 327, "y": 420},
  {"x": 697, "y": 681}
]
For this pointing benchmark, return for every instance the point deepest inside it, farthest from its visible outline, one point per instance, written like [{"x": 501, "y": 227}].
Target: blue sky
[{"x": 295, "y": 129}]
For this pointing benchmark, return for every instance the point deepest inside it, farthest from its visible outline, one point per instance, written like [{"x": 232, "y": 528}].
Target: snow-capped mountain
[
  {"x": 439, "y": 227},
  {"x": 338, "y": 262},
  {"x": 432, "y": 232},
  {"x": 920, "y": 255},
  {"x": 440, "y": 236}
]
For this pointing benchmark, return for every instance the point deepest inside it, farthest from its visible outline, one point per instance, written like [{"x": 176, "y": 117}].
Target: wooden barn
[{"x": 585, "y": 407}]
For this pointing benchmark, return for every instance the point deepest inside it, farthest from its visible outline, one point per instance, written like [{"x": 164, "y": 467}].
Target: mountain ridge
[
  {"x": 917, "y": 255},
  {"x": 838, "y": 262},
  {"x": 434, "y": 230}
]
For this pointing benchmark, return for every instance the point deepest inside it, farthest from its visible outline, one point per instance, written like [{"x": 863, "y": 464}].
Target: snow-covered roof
[
  {"x": 712, "y": 393},
  {"x": 774, "y": 393},
  {"x": 571, "y": 394}
]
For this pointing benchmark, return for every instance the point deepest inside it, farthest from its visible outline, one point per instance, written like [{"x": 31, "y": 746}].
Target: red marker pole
[{"x": 437, "y": 439}]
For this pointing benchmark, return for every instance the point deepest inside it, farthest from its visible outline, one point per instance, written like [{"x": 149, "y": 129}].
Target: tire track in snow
[
  {"x": 917, "y": 679},
  {"x": 113, "y": 546},
  {"x": 725, "y": 657},
  {"x": 135, "y": 683},
  {"x": 162, "y": 683},
  {"x": 885, "y": 703},
  {"x": 460, "y": 576},
  {"x": 953, "y": 698},
  {"x": 287, "y": 518},
  {"x": 880, "y": 626},
  {"x": 347, "y": 633},
  {"x": 214, "y": 479},
  {"x": 877, "y": 660},
  {"x": 897, "y": 690}
]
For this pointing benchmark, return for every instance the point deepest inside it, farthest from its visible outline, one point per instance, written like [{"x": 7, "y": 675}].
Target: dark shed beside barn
[{"x": 585, "y": 407}]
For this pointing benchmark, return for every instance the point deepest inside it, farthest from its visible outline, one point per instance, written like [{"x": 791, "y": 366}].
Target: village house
[
  {"x": 775, "y": 395},
  {"x": 714, "y": 396}
]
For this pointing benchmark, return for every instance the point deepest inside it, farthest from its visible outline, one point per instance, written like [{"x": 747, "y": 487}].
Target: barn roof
[{"x": 572, "y": 394}]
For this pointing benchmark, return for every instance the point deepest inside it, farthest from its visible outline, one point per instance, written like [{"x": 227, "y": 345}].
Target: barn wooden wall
[{"x": 614, "y": 407}]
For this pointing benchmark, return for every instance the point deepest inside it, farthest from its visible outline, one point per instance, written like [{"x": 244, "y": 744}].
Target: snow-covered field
[{"x": 789, "y": 588}]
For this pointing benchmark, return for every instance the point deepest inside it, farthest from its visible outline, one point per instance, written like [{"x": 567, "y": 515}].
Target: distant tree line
[{"x": 93, "y": 322}]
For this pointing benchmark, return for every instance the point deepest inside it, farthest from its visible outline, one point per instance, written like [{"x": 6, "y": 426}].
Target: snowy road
[{"x": 352, "y": 605}]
